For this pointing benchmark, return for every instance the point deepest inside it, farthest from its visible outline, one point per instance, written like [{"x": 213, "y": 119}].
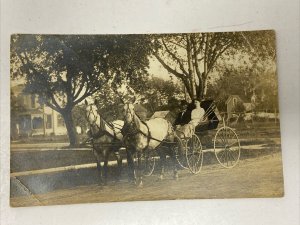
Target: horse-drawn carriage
[
  {"x": 145, "y": 138},
  {"x": 189, "y": 150}
]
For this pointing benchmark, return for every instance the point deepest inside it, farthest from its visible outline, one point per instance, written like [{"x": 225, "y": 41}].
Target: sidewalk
[{"x": 14, "y": 146}]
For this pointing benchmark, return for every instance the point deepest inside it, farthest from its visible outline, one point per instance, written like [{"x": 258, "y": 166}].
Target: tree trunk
[
  {"x": 73, "y": 139},
  {"x": 190, "y": 67},
  {"x": 204, "y": 91}
]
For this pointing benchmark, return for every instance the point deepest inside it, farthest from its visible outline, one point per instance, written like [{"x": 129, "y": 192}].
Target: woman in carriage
[{"x": 187, "y": 121}]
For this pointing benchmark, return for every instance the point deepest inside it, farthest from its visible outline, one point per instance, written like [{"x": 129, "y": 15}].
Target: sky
[{"x": 157, "y": 70}]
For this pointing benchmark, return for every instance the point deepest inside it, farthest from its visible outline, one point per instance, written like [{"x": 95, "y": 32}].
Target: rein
[{"x": 136, "y": 131}]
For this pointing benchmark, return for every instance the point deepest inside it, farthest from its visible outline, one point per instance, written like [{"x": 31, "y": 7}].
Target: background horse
[
  {"x": 139, "y": 136},
  {"x": 106, "y": 139}
]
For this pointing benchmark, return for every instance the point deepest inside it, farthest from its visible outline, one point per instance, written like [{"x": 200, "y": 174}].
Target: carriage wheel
[
  {"x": 179, "y": 152},
  {"x": 148, "y": 162},
  {"x": 227, "y": 147},
  {"x": 194, "y": 154}
]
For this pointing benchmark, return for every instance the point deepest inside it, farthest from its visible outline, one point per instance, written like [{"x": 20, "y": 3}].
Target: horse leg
[
  {"x": 130, "y": 164},
  {"x": 174, "y": 162},
  {"x": 139, "y": 170},
  {"x": 98, "y": 158},
  {"x": 119, "y": 160},
  {"x": 162, "y": 163},
  {"x": 105, "y": 168}
]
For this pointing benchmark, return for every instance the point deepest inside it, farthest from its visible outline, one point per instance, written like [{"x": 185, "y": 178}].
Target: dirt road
[{"x": 255, "y": 177}]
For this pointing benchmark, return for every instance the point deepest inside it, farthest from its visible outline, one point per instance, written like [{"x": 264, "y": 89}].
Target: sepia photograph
[{"x": 144, "y": 117}]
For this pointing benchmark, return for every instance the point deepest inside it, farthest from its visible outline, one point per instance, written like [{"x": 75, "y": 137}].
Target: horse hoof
[{"x": 140, "y": 185}]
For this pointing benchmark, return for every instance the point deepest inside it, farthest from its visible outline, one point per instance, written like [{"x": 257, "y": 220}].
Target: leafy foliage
[
  {"x": 16, "y": 106},
  {"x": 193, "y": 57},
  {"x": 248, "y": 84},
  {"x": 65, "y": 69},
  {"x": 162, "y": 94}
]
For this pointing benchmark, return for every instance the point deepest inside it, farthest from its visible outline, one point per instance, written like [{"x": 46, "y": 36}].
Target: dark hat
[{"x": 183, "y": 102}]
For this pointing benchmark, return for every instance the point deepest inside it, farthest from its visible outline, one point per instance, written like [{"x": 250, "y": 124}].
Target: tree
[
  {"x": 193, "y": 57},
  {"x": 79, "y": 119},
  {"x": 267, "y": 92},
  {"x": 16, "y": 106},
  {"x": 162, "y": 94},
  {"x": 65, "y": 69},
  {"x": 234, "y": 81}
]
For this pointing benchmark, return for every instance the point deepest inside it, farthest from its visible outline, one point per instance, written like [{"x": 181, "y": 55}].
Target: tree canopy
[
  {"x": 65, "y": 69},
  {"x": 193, "y": 57}
]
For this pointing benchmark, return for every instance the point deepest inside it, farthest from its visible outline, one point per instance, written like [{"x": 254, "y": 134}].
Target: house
[
  {"x": 168, "y": 115},
  {"x": 34, "y": 118},
  {"x": 231, "y": 104},
  {"x": 233, "y": 101}
]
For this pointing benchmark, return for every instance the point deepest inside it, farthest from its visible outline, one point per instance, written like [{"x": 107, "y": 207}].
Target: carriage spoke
[
  {"x": 223, "y": 137},
  {"x": 222, "y": 155},
  {"x": 232, "y": 136},
  {"x": 180, "y": 156},
  {"x": 226, "y": 137},
  {"x": 227, "y": 147},
  {"x": 236, "y": 142},
  {"x": 230, "y": 153},
  {"x": 231, "y": 157},
  {"x": 194, "y": 155},
  {"x": 234, "y": 153}
]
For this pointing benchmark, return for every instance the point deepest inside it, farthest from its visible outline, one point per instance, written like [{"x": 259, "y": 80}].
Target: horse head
[
  {"x": 91, "y": 112},
  {"x": 128, "y": 112}
]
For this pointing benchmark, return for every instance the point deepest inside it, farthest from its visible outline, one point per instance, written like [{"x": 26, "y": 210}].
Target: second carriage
[{"x": 189, "y": 150}]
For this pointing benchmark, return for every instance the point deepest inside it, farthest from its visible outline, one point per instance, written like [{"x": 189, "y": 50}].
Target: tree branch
[
  {"x": 168, "y": 68},
  {"x": 213, "y": 61},
  {"x": 53, "y": 107},
  {"x": 79, "y": 90},
  {"x": 175, "y": 57}
]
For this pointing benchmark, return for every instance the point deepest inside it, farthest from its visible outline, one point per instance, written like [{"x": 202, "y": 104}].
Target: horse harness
[
  {"x": 129, "y": 130},
  {"x": 101, "y": 128},
  {"x": 126, "y": 131}
]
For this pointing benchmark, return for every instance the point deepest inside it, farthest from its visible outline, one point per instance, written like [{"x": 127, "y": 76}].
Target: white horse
[
  {"x": 139, "y": 136},
  {"x": 106, "y": 139}
]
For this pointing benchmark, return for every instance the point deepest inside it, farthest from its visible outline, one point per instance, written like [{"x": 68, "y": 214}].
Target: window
[
  {"x": 37, "y": 123},
  {"x": 25, "y": 123},
  {"x": 33, "y": 101},
  {"x": 60, "y": 121},
  {"x": 48, "y": 121},
  {"x": 234, "y": 101}
]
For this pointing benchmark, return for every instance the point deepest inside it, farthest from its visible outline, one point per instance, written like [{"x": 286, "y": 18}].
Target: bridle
[
  {"x": 130, "y": 128},
  {"x": 101, "y": 127}
]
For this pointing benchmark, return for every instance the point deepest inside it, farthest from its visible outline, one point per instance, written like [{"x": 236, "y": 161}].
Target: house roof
[{"x": 233, "y": 96}]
